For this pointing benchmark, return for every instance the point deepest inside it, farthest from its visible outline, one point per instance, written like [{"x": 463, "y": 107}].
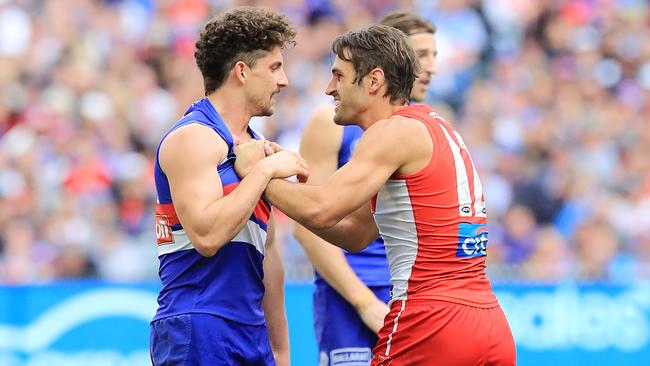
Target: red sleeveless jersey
[{"x": 434, "y": 222}]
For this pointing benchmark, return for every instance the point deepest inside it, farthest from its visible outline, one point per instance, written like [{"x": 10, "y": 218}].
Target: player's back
[
  {"x": 434, "y": 223},
  {"x": 228, "y": 284}
]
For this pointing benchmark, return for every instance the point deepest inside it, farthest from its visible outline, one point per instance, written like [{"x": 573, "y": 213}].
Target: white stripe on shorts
[{"x": 390, "y": 336}]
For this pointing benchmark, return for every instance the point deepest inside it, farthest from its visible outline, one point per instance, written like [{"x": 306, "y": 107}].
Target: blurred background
[{"x": 552, "y": 97}]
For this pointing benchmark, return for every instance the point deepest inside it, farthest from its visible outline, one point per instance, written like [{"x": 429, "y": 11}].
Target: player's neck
[
  {"x": 382, "y": 109},
  {"x": 232, "y": 110}
]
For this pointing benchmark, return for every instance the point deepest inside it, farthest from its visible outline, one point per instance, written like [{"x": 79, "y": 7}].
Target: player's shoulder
[
  {"x": 193, "y": 132},
  {"x": 395, "y": 127},
  {"x": 325, "y": 109},
  {"x": 320, "y": 130},
  {"x": 323, "y": 115},
  {"x": 192, "y": 139}
]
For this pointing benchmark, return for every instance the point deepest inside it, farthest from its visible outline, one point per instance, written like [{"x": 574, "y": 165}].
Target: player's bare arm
[
  {"x": 319, "y": 146},
  {"x": 273, "y": 302},
  {"x": 393, "y": 145},
  {"x": 209, "y": 218}
]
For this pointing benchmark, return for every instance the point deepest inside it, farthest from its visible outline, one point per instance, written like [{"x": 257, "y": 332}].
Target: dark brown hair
[
  {"x": 242, "y": 34},
  {"x": 384, "y": 47},
  {"x": 408, "y": 23}
]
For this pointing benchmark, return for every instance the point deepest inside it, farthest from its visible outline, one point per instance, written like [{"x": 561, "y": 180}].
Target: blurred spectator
[
  {"x": 597, "y": 248},
  {"x": 551, "y": 259},
  {"x": 553, "y": 97}
]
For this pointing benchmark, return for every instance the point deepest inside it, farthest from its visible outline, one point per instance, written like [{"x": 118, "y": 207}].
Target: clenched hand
[{"x": 279, "y": 163}]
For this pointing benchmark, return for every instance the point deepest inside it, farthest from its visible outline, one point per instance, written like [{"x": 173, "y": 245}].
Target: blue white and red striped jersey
[{"x": 228, "y": 284}]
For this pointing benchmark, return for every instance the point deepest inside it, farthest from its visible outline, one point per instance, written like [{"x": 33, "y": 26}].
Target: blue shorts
[
  {"x": 207, "y": 340},
  {"x": 343, "y": 339}
]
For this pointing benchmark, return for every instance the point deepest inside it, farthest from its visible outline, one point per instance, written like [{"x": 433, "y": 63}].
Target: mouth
[
  {"x": 274, "y": 94},
  {"x": 337, "y": 104}
]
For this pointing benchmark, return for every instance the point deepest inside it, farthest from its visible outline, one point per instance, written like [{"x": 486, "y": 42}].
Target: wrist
[
  {"x": 263, "y": 169},
  {"x": 361, "y": 300}
]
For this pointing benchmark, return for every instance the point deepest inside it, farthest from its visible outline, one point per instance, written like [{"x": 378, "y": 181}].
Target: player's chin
[
  {"x": 340, "y": 119},
  {"x": 266, "y": 111},
  {"x": 337, "y": 117}
]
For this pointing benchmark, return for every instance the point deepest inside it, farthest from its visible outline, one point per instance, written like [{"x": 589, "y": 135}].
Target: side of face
[
  {"x": 350, "y": 97},
  {"x": 264, "y": 81},
  {"x": 425, "y": 48}
]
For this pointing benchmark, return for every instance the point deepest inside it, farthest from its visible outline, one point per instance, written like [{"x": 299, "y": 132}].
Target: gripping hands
[{"x": 271, "y": 158}]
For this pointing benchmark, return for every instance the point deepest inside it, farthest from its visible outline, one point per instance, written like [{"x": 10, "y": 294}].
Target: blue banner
[
  {"x": 579, "y": 325},
  {"x": 83, "y": 323}
]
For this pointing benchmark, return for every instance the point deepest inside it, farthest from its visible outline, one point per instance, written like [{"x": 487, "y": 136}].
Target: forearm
[
  {"x": 307, "y": 204},
  {"x": 274, "y": 307},
  {"x": 331, "y": 264},
  {"x": 224, "y": 218},
  {"x": 347, "y": 234}
]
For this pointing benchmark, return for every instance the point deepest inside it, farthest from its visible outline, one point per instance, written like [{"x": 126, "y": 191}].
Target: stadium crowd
[{"x": 553, "y": 98}]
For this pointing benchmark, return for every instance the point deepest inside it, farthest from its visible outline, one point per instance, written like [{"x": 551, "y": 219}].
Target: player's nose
[
  {"x": 283, "y": 81},
  {"x": 330, "y": 89},
  {"x": 429, "y": 65}
]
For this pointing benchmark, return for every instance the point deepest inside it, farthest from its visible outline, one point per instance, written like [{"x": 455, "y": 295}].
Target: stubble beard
[{"x": 266, "y": 111}]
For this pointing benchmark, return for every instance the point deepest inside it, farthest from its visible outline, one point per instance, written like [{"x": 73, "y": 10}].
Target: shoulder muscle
[{"x": 194, "y": 140}]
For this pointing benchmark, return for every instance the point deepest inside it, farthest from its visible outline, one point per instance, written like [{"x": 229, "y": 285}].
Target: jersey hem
[{"x": 210, "y": 312}]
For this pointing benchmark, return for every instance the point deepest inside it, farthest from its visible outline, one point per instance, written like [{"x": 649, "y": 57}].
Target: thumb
[
  {"x": 268, "y": 150},
  {"x": 236, "y": 140},
  {"x": 276, "y": 147}
]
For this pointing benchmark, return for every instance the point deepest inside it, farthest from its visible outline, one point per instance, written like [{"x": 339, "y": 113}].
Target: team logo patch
[
  {"x": 351, "y": 356},
  {"x": 163, "y": 230},
  {"x": 472, "y": 240}
]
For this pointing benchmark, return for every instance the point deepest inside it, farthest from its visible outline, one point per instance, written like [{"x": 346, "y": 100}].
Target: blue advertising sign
[
  {"x": 579, "y": 325},
  {"x": 75, "y": 324},
  {"x": 82, "y": 323}
]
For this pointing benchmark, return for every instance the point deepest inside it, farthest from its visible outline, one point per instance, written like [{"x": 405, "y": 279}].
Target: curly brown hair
[
  {"x": 242, "y": 34},
  {"x": 386, "y": 48}
]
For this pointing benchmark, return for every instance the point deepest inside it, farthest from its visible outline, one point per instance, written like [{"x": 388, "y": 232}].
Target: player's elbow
[
  {"x": 355, "y": 246},
  {"x": 205, "y": 249},
  {"x": 360, "y": 236},
  {"x": 320, "y": 218},
  {"x": 207, "y": 246}
]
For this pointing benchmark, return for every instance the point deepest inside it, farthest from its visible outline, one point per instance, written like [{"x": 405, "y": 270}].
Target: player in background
[
  {"x": 222, "y": 296},
  {"x": 352, "y": 289},
  {"x": 412, "y": 180}
]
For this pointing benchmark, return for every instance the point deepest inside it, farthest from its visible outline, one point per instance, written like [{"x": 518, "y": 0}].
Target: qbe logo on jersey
[{"x": 472, "y": 240}]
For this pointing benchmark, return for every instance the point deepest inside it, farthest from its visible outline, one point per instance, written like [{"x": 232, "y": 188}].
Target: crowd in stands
[{"x": 552, "y": 97}]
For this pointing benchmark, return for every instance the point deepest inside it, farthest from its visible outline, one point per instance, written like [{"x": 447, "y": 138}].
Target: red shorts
[{"x": 422, "y": 333}]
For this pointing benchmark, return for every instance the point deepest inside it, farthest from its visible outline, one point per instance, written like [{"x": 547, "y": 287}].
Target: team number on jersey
[{"x": 466, "y": 204}]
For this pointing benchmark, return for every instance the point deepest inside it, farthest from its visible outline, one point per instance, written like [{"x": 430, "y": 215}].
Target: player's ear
[
  {"x": 376, "y": 76},
  {"x": 239, "y": 70}
]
